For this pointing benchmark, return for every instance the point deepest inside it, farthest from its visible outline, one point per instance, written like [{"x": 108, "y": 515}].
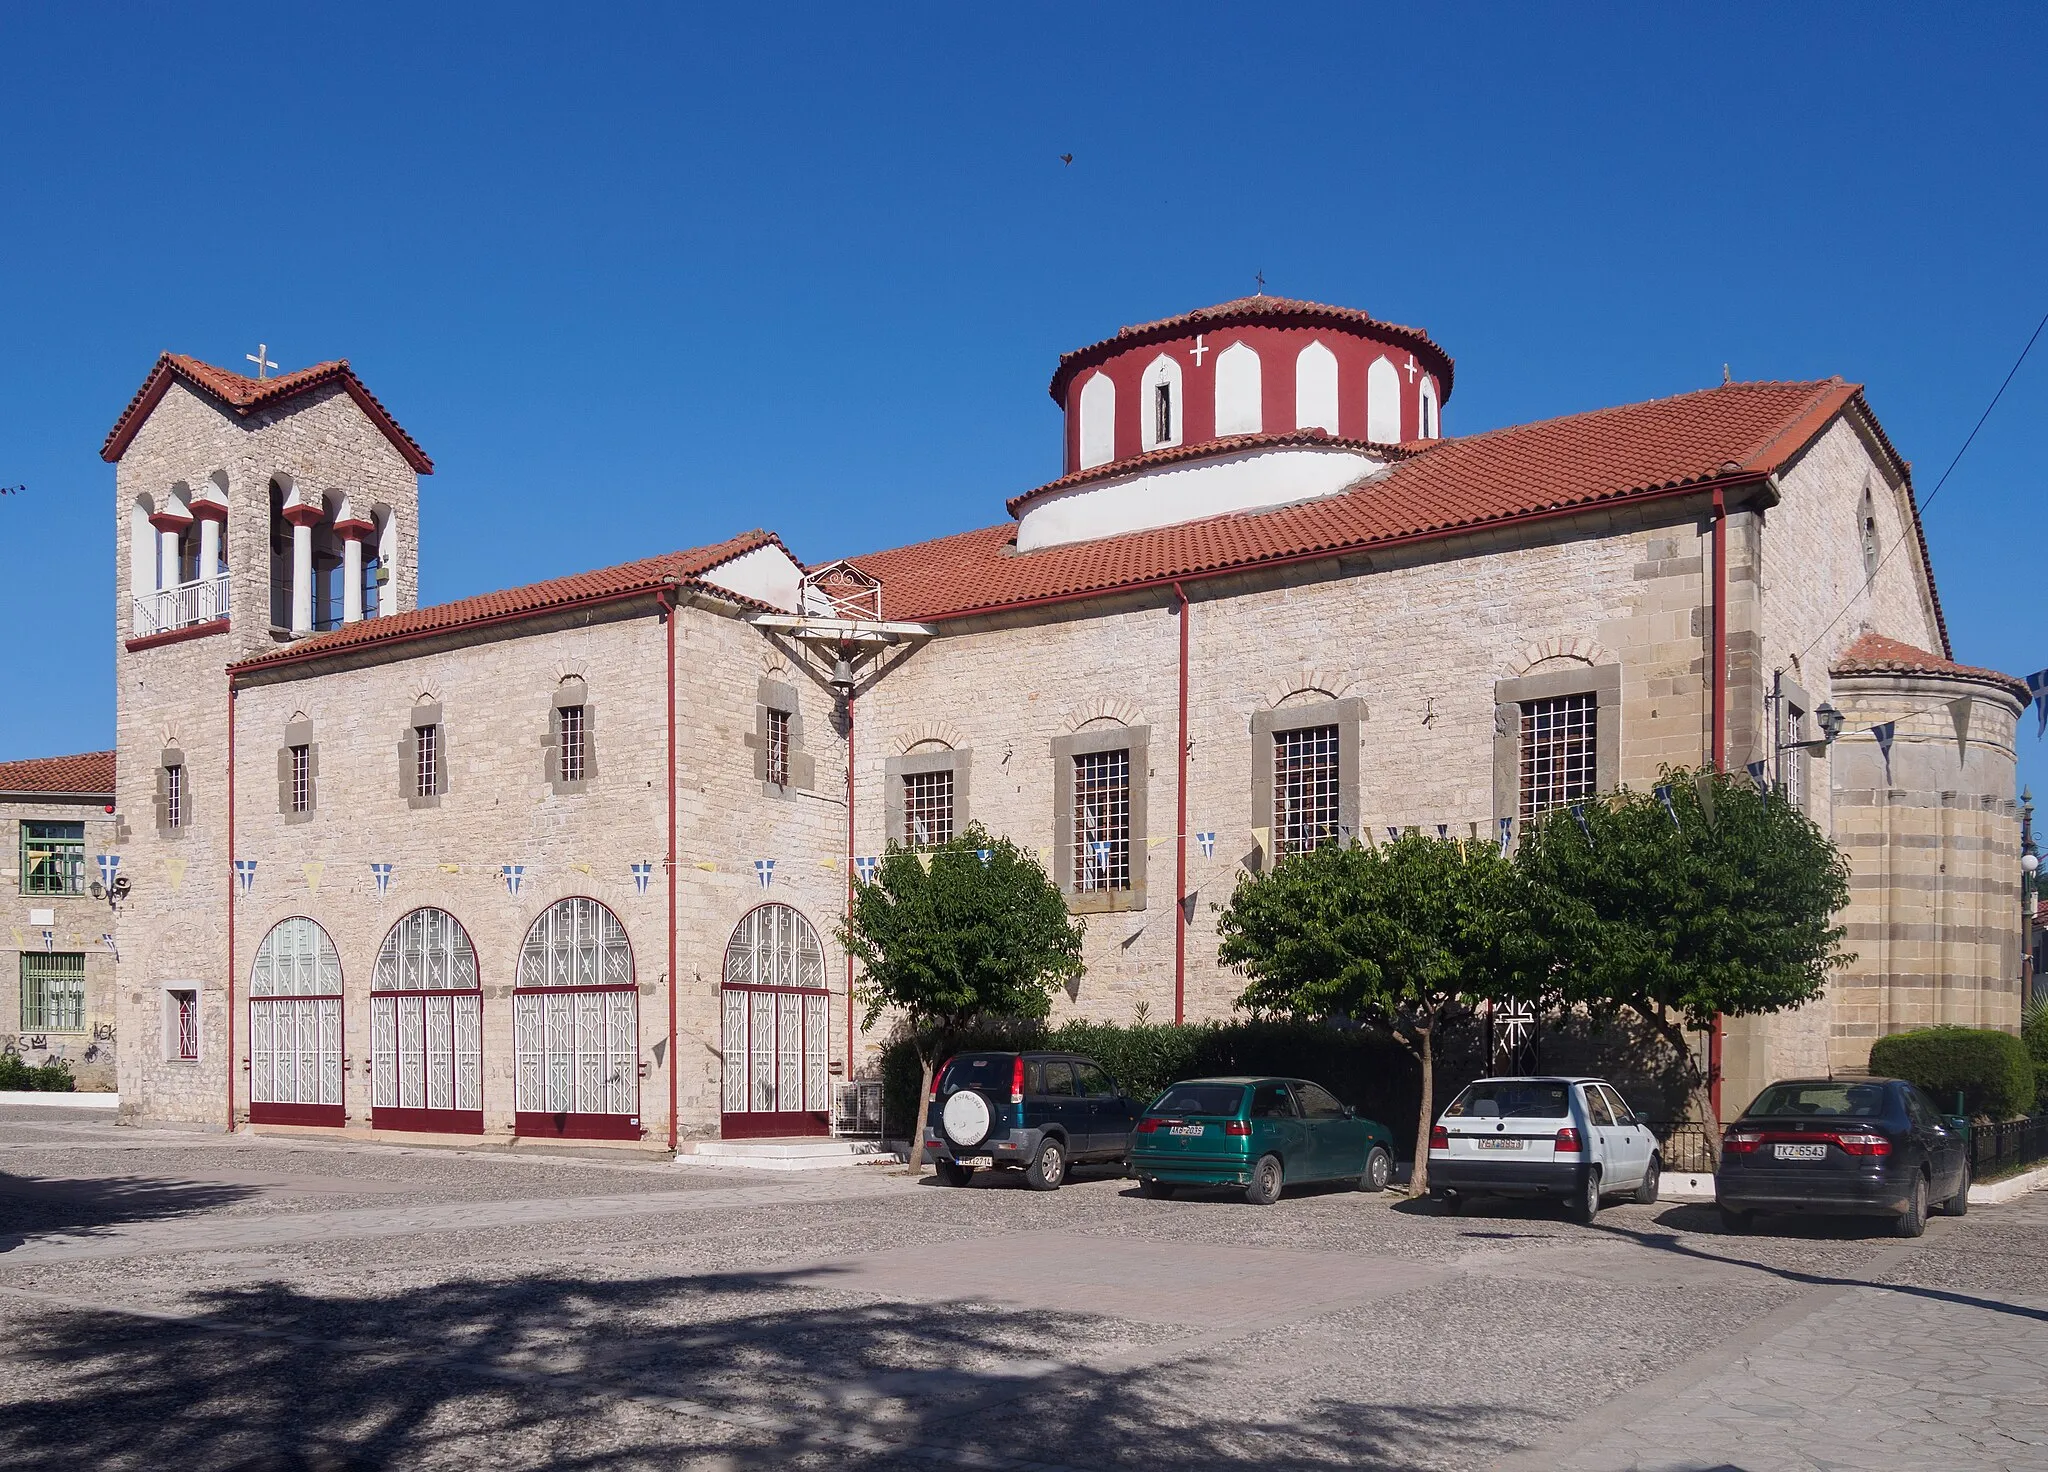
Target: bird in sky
[{"x": 1067, "y": 158}]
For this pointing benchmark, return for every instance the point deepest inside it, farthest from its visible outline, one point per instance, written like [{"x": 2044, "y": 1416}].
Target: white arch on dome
[
  {"x": 1315, "y": 388},
  {"x": 1429, "y": 418},
  {"x": 1164, "y": 373},
  {"x": 1238, "y": 389},
  {"x": 1383, "y": 403},
  {"x": 1098, "y": 421}
]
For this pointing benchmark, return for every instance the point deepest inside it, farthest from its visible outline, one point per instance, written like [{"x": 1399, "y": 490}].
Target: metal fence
[
  {"x": 857, "y": 1109},
  {"x": 1997, "y": 1148},
  {"x": 1684, "y": 1145}
]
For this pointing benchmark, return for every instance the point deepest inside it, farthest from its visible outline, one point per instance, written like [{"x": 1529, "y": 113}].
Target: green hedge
[
  {"x": 53, "y": 1076},
  {"x": 2034, "y": 1032},
  {"x": 1990, "y": 1068},
  {"x": 1368, "y": 1070}
]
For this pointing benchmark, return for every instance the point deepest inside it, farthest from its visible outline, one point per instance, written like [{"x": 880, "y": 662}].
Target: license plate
[
  {"x": 1187, "y": 1129},
  {"x": 1486, "y": 1144},
  {"x": 978, "y": 1160},
  {"x": 1801, "y": 1152}
]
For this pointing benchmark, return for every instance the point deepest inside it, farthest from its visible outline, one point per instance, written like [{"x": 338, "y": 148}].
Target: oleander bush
[
  {"x": 1991, "y": 1069},
  {"x": 52, "y": 1076},
  {"x": 2034, "y": 1033}
]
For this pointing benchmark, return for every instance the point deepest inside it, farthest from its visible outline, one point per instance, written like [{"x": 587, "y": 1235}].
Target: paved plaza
[{"x": 199, "y": 1301}]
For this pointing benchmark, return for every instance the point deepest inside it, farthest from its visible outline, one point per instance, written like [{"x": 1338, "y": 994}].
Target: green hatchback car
[{"x": 1263, "y": 1134}]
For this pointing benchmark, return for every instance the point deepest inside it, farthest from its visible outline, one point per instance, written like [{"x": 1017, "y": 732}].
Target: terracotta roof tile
[
  {"x": 1229, "y": 444},
  {"x": 1268, "y": 311},
  {"x": 1879, "y": 654},
  {"x": 1736, "y": 432},
  {"x": 604, "y": 584},
  {"x": 90, "y": 772},
  {"x": 245, "y": 395}
]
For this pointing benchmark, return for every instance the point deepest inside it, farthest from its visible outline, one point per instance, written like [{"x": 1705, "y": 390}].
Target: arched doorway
[
  {"x": 295, "y": 1028},
  {"x": 426, "y": 1028},
  {"x": 777, "y": 1017},
  {"x": 575, "y": 1027}
]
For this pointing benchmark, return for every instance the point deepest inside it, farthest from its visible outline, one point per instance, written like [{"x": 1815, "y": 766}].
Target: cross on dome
[{"x": 1411, "y": 368}]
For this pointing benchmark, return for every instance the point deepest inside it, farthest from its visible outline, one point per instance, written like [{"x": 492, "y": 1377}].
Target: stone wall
[{"x": 77, "y": 924}]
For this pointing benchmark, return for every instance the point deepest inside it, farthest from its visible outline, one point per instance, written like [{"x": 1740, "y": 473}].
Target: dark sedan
[{"x": 1844, "y": 1147}]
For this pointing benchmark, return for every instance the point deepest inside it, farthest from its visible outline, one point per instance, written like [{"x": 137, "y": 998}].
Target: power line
[{"x": 1921, "y": 510}]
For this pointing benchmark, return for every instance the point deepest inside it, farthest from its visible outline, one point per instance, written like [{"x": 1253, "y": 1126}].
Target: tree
[
  {"x": 1409, "y": 936},
  {"x": 1721, "y": 904},
  {"x": 970, "y": 930}
]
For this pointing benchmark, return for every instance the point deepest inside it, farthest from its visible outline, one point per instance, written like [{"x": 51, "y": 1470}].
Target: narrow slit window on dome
[{"x": 1162, "y": 413}]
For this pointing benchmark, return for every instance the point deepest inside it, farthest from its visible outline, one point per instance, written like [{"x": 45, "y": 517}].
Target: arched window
[
  {"x": 386, "y": 601},
  {"x": 295, "y": 1027},
  {"x": 1866, "y": 517},
  {"x": 575, "y": 1026},
  {"x": 1383, "y": 403},
  {"x": 1315, "y": 388},
  {"x": 1238, "y": 389},
  {"x": 426, "y": 1028},
  {"x": 777, "y": 1020},
  {"x": 1427, "y": 427},
  {"x": 142, "y": 566},
  {"x": 1160, "y": 409},
  {"x": 1098, "y": 421}
]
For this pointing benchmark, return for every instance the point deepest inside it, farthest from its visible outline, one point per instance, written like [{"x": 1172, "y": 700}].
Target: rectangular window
[
  {"x": 571, "y": 746},
  {"x": 174, "y": 796},
  {"x": 927, "y": 809},
  {"x": 53, "y": 858},
  {"x": 1305, "y": 789},
  {"x": 778, "y": 747},
  {"x": 1792, "y": 764},
  {"x": 1162, "y": 414},
  {"x": 181, "y": 1024},
  {"x": 302, "y": 787},
  {"x": 52, "y": 992},
  {"x": 1557, "y": 753},
  {"x": 1102, "y": 820},
  {"x": 427, "y": 760}
]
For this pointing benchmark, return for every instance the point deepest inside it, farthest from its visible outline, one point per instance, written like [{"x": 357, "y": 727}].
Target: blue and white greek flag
[
  {"x": 110, "y": 865},
  {"x": 107, "y": 940},
  {"x": 515, "y": 875},
  {"x": 245, "y": 874},
  {"x": 2037, "y": 686},
  {"x": 1507, "y": 835},
  {"x": 1393, "y": 833},
  {"x": 985, "y": 854},
  {"x": 1884, "y": 735},
  {"x": 1663, "y": 795},
  {"x": 49, "y": 940},
  {"x": 643, "y": 874},
  {"x": 1101, "y": 848},
  {"x": 1208, "y": 843},
  {"x": 1756, "y": 775},
  {"x": 865, "y": 867},
  {"x": 382, "y": 874},
  {"x": 764, "y": 870},
  {"x": 1579, "y": 812},
  {"x": 1443, "y": 831}
]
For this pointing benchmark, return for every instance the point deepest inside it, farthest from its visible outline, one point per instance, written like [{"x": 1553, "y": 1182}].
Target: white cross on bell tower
[{"x": 261, "y": 358}]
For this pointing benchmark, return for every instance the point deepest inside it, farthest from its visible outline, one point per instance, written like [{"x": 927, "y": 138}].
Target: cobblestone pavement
[{"x": 198, "y": 1301}]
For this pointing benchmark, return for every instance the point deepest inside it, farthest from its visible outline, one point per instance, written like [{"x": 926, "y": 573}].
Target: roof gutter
[{"x": 1719, "y": 486}]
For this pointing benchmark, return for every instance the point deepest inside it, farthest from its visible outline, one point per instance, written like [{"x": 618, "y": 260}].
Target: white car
[{"x": 1571, "y": 1139}]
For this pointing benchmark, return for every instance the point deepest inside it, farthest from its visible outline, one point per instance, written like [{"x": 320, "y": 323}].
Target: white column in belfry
[
  {"x": 170, "y": 521},
  {"x": 302, "y": 517},
  {"x": 352, "y": 529}
]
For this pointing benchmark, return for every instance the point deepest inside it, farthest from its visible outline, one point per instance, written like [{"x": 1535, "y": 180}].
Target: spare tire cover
[{"x": 967, "y": 1118}]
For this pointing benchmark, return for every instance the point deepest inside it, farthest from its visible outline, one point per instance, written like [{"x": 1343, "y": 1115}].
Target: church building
[{"x": 566, "y": 860}]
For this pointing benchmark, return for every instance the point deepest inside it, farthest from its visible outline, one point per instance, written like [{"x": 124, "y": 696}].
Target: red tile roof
[
  {"x": 1878, "y": 654},
  {"x": 245, "y": 395},
  {"x": 1260, "y": 311},
  {"x": 1732, "y": 434},
  {"x": 1229, "y": 444},
  {"x": 605, "y": 584},
  {"x": 89, "y": 773}
]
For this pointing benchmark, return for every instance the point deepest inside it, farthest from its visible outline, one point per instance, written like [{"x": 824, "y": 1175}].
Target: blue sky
[{"x": 639, "y": 281}]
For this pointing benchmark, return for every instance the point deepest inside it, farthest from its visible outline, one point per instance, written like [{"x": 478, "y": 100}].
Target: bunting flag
[
  {"x": 1507, "y": 835},
  {"x": 1579, "y": 812},
  {"x": 245, "y": 872},
  {"x": 515, "y": 875},
  {"x": 1756, "y": 775},
  {"x": 1102, "y": 851},
  {"x": 764, "y": 870},
  {"x": 107, "y": 940},
  {"x": 581, "y": 868},
  {"x": 174, "y": 869},
  {"x": 706, "y": 865},
  {"x": 1393, "y": 834},
  {"x": 313, "y": 871},
  {"x": 1663, "y": 793},
  {"x": 1884, "y": 735},
  {"x": 1262, "y": 838},
  {"x": 381, "y": 873},
  {"x": 1152, "y": 843},
  {"x": 643, "y": 875},
  {"x": 110, "y": 865},
  {"x": 1703, "y": 784},
  {"x": 985, "y": 854},
  {"x": 832, "y": 864},
  {"x": 1443, "y": 831},
  {"x": 2037, "y": 686},
  {"x": 18, "y": 942},
  {"x": 1207, "y": 840},
  {"x": 865, "y": 867},
  {"x": 451, "y": 868},
  {"x": 1959, "y": 712},
  {"x": 924, "y": 860},
  {"x": 49, "y": 940}
]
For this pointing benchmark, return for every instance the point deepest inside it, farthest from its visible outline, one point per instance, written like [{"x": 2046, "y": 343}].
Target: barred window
[
  {"x": 53, "y": 858},
  {"x": 1162, "y": 413},
  {"x": 1557, "y": 753},
  {"x": 52, "y": 992},
  {"x": 569, "y": 766},
  {"x": 1102, "y": 820},
  {"x": 427, "y": 760},
  {"x": 174, "y": 796},
  {"x": 927, "y": 809},
  {"x": 1305, "y": 789},
  {"x": 1792, "y": 764},
  {"x": 184, "y": 1029},
  {"x": 302, "y": 790},
  {"x": 778, "y": 747}
]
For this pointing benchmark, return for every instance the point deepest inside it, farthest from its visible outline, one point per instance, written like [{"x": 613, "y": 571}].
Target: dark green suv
[{"x": 1035, "y": 1112}]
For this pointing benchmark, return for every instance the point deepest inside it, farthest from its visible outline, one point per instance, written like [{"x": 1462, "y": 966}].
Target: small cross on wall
[
  {"x": 261, "y": 358},
  {"x": 1412, "y": 370},
  {"x": 1197, "y": 350}
]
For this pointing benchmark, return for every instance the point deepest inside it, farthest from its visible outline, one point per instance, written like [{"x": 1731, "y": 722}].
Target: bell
[{"x": 842, "y": 678}]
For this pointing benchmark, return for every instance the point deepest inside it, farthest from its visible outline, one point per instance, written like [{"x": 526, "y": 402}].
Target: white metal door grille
[
  {"x": 576, "y": 1045},
  {"x": 295, "y": 1017},
  {"x": 776, "y": 1016},
  {"x": 426, "y": 1017}
]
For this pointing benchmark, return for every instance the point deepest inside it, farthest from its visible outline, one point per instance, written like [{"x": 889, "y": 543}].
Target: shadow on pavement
[
  {"x": 572, "y": 1373},
  {"x": 35, "y": 1205}
]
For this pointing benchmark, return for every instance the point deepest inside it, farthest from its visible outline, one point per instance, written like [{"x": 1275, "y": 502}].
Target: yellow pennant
[
  {"x": 830, "y": 863},
  {"x": 175, "y": 869},
  {"x": 707, "y": 866},
  {"x": 1162, "y": 838},
  {"x": 451, "y": 868},
  {"x": 581, "y": 868},
  {"x": 313, "y": 872},
  {"x": 18, "y": 943},
  {"x": 1262, "y": 837},
  {"x": 926, "y": 861}
]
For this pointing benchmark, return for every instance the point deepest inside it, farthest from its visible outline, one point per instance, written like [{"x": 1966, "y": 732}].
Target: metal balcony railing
[{"x": 200, "y": 601}]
